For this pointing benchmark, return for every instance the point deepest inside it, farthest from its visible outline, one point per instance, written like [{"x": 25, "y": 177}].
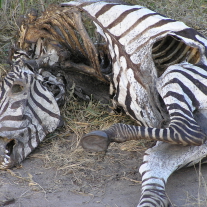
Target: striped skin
[
  {"x": 183, "y": 89},
  {"x": 28, "y": 113},
  {"x": 130, "y": 32},
  {"x": 135, "y": 36},
  {"x": 155, "y": 170}
]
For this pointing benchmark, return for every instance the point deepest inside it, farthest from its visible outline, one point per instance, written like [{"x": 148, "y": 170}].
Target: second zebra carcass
[{"x": 28, "y": 110}]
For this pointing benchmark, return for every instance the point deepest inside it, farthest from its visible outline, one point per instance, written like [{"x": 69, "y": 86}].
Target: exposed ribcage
[{"x": 171, "y": 50}]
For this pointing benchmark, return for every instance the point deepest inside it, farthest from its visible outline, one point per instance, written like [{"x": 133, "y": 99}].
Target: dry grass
[
  {"x": 192, "y": 12},
  {"x": 61, "y": 149}
]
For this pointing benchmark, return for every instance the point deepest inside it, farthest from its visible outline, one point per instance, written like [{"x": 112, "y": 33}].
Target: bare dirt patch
[{"x": 102, "y": 180}]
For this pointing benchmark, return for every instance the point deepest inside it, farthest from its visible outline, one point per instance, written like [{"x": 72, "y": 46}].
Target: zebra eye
[{"x": 17, "y": 88}]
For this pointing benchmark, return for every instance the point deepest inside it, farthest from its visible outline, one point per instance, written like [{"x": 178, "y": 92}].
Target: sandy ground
[{"x": 37, "y": 185}]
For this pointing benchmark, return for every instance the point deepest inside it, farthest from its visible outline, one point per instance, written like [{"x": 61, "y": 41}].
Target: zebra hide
[
  {"x": 159, "y": 77},
  {"x": 31, "y": 95},
  {"x": 60, "y": 36},
  {"x": 28, "y": 110}
]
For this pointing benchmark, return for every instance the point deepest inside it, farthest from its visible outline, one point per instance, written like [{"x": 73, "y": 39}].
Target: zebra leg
[
  {"x": 180, "y": 99},
  {"x": 100, "y": 140},
  {"x": 159, "y": 163}
]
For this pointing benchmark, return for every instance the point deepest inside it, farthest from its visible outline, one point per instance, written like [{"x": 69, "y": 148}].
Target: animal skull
[{"x": 28, "y": 113}]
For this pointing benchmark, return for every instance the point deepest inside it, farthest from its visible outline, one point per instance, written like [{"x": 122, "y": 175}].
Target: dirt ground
[{"x": 113, "y": 181}]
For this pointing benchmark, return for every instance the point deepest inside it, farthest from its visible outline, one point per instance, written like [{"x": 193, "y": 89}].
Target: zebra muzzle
[{"x": 6, "y": 152}]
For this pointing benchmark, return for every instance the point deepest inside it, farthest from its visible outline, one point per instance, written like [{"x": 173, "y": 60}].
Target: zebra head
[{"x": 28, "y": 112}]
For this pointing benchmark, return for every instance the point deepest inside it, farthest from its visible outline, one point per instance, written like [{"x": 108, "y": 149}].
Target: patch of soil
[{"x": 112, "y": 181}]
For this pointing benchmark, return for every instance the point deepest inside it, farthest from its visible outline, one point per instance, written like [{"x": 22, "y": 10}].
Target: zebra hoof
[{"x": 95, "y": 141}]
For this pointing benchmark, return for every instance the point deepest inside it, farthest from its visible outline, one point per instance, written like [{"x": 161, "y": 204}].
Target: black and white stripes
[
  {"x": 159, "y": 163},
  {"x": 142, "y": 44},
  {"x": 159, "y": 78},
  {"x": 183, "y": 89},
  {"x": 28, "y": 113}
]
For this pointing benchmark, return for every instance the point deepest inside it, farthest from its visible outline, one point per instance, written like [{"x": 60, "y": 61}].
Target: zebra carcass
[
  {"x": 28, "y": 110},
  {"x": 158, "y": 77},
  {"x": 30, "y": 94}
]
